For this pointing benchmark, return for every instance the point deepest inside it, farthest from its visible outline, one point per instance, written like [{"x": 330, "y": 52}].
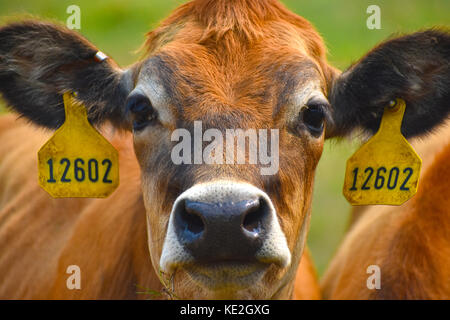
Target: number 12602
[
  {"x": 392, "y": 179},
  {"x": 92, "y": 169}
]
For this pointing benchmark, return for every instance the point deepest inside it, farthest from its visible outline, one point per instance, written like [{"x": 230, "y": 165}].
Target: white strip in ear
[{"x": 100, "y": 56}]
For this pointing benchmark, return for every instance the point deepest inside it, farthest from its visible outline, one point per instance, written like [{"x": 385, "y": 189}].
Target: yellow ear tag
[
  {"x": 385, "y": 170},
  {"x": 78, "y": 161}
]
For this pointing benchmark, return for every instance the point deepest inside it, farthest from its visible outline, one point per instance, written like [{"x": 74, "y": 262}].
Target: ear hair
[
  {"x": 39, "y": 61},
  {"x": 414, "y": 67}
]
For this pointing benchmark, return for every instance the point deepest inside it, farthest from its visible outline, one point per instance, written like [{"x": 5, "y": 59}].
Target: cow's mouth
[
  {"x": 227, "y": 275},
  {"x": 225, "y": 235}
]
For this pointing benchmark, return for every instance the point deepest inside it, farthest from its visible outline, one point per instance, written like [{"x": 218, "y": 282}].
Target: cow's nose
[
  {"x": 223, "y": 222},
  {"x": 222, "y": 231}
]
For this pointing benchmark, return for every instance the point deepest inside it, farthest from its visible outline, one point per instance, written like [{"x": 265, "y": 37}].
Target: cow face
[
  {"x": 227, "y": 226},
  {"x": 226, "y": 230}
]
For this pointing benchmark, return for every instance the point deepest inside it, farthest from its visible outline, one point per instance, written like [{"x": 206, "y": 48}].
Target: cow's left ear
[
  {"x": 414, "y": 67},
  {"x": 40, "y": 61}
]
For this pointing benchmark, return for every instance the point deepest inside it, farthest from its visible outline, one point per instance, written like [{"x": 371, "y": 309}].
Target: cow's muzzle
[{"x": 224, "y": 233}]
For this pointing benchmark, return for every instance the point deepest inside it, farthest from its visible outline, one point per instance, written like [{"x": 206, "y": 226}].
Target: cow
[
  {"x": 198, "y": 231},
  {"x": 409, "y": 244}
]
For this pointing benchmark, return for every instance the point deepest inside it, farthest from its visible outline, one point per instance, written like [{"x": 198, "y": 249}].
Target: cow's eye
[
  {"x": 313, "y": 117},
  {"x": 141, "y": 110}
]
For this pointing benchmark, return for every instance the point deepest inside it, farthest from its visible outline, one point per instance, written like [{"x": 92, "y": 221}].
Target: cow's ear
[
  {"x": 40, "y": 61},
  {"x": 414, "y": 67}
]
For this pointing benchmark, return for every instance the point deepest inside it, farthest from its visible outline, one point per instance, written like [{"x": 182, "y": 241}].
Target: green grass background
[{"x": 118, "y": 28}]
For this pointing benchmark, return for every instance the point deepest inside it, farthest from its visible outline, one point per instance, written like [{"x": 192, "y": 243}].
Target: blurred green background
[{"x": 118, "y": 27}]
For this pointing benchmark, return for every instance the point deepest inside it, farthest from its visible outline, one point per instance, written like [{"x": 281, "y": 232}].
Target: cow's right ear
[
  {"x": 40, "y": 61},
  {"x": 414, "y": 67}
]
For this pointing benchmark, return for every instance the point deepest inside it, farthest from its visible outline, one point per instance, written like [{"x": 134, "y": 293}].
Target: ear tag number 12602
[
  {"x": 78, "y": 161},
  {"x": 385, "y": 170}
]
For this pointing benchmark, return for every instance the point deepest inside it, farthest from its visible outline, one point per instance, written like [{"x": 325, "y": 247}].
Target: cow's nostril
[
  {"x": 189, "y": 222},
  {"x": 193, "y": 222},
  {"x": 255, "y": 217}
]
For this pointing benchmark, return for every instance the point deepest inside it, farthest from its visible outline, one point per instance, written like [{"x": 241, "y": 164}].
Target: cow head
[{"x": 226, "y": 230}]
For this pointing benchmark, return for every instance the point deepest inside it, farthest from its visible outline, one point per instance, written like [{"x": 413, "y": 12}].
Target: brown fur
[
  {"x": 228, "y": 63},
  {"x": 106, "y": 238},
  {"x": 409, "y": 243},
  {"x": 306, "y": 287},
  {"x": 232, "y": 76}
]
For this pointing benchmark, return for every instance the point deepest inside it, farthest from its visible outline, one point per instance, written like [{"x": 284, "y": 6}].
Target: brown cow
[
  {"x": 410, "y": 244},
  {"x": 215, "y": 231}
]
